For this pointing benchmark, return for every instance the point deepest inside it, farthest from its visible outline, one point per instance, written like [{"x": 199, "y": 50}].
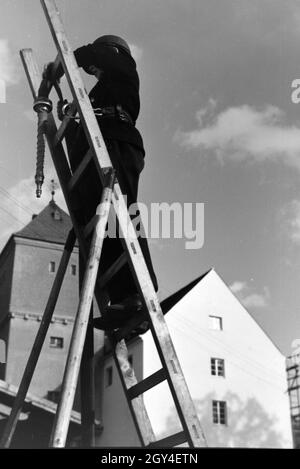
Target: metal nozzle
[
  {"x": 42, "y": 105},
  {"x": 39, "y": 179}
]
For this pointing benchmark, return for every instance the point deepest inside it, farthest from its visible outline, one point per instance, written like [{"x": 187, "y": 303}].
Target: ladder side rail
[
  {"x": 56, "y": 149},
  {"x": 64, "y": 175},
  {"x": 160, "y": 332},
  {"x": 87, "y": 376},
  {"x": 34, "y": 76},
  {"x": 38, "y": 344},
  {"x": 70, "y": 379},
  {"x": 77, "y": 88},
  {"x": 181, "y": 395}
]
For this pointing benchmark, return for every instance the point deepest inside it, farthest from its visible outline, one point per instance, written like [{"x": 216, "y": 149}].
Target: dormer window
[
  {"x": 216, "y": 323},
  {"x": 56, "y": 215}
]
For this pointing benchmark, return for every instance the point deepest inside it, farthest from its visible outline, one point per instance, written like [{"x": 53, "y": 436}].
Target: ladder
[{"x": 81, "y": 341}]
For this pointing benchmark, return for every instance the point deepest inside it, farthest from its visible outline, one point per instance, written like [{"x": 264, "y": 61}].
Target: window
[
  {"x": 57, "y": 215},
  {"x": 73, "y": 269},
  {"x": 216, "y": 323},
  {"x": 217, "y": 367},
  {"x": 56, "y": 342},
  {"x": 52, "y": 267},
  {"x": 219, "y": 411},
  {"x": 108, "y": 376}
]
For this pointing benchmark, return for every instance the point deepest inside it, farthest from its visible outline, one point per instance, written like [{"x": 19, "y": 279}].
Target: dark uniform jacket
[{"x": 118, "y": 85}]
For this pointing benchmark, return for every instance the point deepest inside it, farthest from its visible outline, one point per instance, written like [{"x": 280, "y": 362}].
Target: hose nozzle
[{"x": 42, "y": 106}]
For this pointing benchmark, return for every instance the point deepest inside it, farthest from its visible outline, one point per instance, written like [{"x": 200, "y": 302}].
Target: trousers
[{"x": 128, "y": 162}]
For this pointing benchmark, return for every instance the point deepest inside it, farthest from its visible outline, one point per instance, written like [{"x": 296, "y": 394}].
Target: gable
[
  {"x": 212, "y": 297},
  {"x": 52, "y": 224}
]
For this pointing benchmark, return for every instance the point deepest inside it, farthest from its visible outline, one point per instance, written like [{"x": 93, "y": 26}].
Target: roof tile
[{"x": 52, "y": 224}]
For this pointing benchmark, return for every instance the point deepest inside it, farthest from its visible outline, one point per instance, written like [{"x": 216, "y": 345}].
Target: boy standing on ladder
[{"x": 116, "y": 101}]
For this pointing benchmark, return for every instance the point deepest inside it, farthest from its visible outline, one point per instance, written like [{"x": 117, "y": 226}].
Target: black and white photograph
[{"x": 149, "y": 227}]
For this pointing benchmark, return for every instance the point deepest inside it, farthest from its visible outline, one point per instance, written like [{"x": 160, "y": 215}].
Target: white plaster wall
[{"x": 255, "y": 380}]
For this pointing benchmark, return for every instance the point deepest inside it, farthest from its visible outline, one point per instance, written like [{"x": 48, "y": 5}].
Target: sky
[{"x": 219, "y": 128}]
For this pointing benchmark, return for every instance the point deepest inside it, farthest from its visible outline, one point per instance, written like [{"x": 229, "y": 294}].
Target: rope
[{"x": 40, "y": 157}]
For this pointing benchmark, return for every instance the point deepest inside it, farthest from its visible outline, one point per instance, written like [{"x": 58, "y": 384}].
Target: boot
[{"x": 117, "y": 315}]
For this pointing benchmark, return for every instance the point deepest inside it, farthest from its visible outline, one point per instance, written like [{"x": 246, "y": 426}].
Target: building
[
  {"x": 28, "y": 264},
  {"x": 235, "y": 373},
  {"x": 35, "y": 421}
]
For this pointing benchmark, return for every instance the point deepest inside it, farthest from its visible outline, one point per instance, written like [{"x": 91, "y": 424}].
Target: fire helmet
[{"x": 113, "y": 41}]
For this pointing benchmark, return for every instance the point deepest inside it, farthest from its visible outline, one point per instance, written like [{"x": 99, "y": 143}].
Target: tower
[{"x": 28, "y": 265}]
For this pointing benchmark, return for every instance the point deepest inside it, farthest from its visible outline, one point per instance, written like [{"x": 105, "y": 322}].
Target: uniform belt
[{"x": 113, "y": 112}]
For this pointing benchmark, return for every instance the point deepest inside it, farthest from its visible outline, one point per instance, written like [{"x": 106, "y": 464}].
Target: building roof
[
  {"x": 31, "y": 401},
  {"x": 171, "y": 300},
  {"x": 168, "y": 303},
  {"x": 5, "y": 410},
  {"x": 52, "y": 224}
]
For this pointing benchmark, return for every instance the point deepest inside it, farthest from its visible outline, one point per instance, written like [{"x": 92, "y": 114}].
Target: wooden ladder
[{"x": 80, "y": 345}]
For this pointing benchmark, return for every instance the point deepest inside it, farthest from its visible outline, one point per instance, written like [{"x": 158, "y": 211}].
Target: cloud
[
  {"x": 19, "y": 203},
  {"x": 240, "y": 133},
  {"x": 289, "y": 217},
  {"x": 8, "y": 66},
  {"x": 136, "y": 51},
  {"x": 237, "y": 286},
  {"x": 255, "y": 300},
  {"x": 24, "y": 191},
  {"x": 248, "y": 297}
]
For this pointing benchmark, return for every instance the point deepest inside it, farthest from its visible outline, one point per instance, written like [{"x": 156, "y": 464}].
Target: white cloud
[
  {"x": 19, "y": 203},
  {"x": 24, "y": 191},
  {"x": 8, "y": 66},
  {"x": 237, "y": 286},
  {"x": 206, "y": 113},
  {"x": 289, "y": 216},
  {"x": 240, "y": 133},
  {"x": 256, "y": 300},
  {"x": 248, "y": 297},
  {"x": 136, "y": 51},
  {"x": 2, "y": 91}
]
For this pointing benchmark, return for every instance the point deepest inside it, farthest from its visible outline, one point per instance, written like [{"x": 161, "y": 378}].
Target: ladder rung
[
  {"x": 79, "y": 171},
  {"x": 112, "y": 270},
  {"x": 169, "y": 441},
  {"x": 147, "y": 383}
]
